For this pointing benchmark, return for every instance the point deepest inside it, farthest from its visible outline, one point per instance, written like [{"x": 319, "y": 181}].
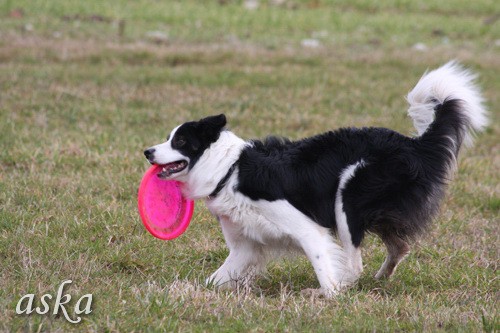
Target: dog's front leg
[
  {"x": 328, "y": 260},
  {"x": 245, "y": 258},
  {"x": 236, "y": 270}
]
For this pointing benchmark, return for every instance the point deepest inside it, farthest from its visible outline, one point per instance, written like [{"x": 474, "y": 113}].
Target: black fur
[
  {"x": 223, "y": 181},
  {"x": 397, "y": 191},
  {"x": 192, "y": 138}
]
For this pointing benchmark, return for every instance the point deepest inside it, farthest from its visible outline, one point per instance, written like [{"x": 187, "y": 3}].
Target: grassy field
[{"x": 85, "y": 86}]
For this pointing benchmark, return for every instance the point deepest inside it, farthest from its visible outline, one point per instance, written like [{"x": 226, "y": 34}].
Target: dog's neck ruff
[{"x": 223, "y": 181}]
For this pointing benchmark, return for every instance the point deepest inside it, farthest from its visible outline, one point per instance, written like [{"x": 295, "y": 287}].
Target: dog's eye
[{"x": 179, "y": 142}]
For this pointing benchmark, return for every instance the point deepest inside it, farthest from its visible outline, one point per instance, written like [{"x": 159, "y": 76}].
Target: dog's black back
[{"x": 397, "y": 190}]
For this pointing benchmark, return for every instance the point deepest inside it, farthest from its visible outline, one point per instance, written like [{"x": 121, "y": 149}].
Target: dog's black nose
[{"x": 149, "y": 153}]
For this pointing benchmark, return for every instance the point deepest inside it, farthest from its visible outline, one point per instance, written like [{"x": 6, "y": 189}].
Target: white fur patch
[
  {"x": 213, "y": 165},
  {"x": 450, "y": 81},
  {"x": 353, "y": 254},
  {"x": 164, "y": 154}
]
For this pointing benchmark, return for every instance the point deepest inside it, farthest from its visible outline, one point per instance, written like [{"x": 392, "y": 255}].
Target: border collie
[{"x": 274, "y": 196}]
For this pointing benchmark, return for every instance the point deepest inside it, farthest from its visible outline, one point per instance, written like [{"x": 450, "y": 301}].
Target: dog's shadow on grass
[{"x": 294, "y": 278}]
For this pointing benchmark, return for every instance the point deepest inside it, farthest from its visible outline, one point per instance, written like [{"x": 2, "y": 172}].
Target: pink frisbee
[{"x": 164, "y": 211}]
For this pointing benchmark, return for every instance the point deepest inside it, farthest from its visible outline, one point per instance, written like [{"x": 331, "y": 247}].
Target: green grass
[{"x": 79, "y": 102}]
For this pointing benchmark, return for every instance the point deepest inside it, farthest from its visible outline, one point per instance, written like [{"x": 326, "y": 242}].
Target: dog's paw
[{"x": 218, "y": 283}]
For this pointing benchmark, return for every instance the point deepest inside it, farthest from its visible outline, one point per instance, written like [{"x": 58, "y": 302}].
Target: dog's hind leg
[
  {"x": 397, "y": 249},
  {"x": 246, "y": 258}
]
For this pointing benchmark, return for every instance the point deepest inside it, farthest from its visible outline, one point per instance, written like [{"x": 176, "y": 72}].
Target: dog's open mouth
[{"x": 171, "y": 168}]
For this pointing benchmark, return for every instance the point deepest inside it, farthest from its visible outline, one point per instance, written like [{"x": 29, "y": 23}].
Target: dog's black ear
[
  {"x": 218, "y": 121},
  {"x": 212, "y": 126}
]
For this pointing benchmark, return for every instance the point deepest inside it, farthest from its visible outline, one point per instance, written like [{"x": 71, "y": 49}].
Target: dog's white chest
[{"x": 256, "y": 221}]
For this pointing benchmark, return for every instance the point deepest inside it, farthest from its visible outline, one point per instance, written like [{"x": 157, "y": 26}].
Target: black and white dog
[{"x": 276, "y": 195}]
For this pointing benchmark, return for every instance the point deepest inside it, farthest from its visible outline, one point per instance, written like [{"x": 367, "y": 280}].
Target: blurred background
[{"x": 85, "y": 86}]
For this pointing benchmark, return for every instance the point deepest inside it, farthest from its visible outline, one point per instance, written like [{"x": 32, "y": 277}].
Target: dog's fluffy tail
[
  {"x": 447, "y": 108},
  {"x": 447, "y": 102}
]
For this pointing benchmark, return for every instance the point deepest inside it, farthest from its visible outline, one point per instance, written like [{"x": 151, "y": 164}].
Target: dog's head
[{"x": 185, "y": 145}]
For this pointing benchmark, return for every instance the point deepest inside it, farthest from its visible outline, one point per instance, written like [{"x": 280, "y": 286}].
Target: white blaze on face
[{"x": 164, "y": 153}]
